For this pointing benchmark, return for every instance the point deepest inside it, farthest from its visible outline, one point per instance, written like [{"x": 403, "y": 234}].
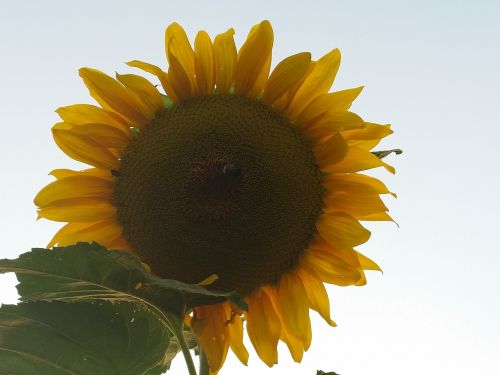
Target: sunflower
[{"x": 233, "y": 171}]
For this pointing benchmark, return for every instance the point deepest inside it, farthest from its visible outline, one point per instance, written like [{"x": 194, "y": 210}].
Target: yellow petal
[
  {"x": 355, "y": 183},
  {"x": 282, "y": 104},
  {"x": 358, "y": 159},
  {"x": 179, "y": 79},
  {"x": 225, "y": 61},
  {"x": 367, "y": 263},
  {"x": 79, "y": 114},
  {"x": 105, "y": 135},
  {"x": 338, "y": 101},
  {"x": 331, "y": 151},
  {"x": 177, "y": 45},
  {"x": 294, "y": 304},
  {"x": 362, "y": 280},
  {"x": 294, "y": 343},
  {"x": 367, "y": 137},
  {"x": 286, "y": 74},
  {"x": 254, "y": 60},
  {"x": 308, "y": 337},
  {"x": 103, "y": 233},
  {"x": 101, "y": 173},
  {"x": 161, "y": 74},
  {"x": 81, "y": 210},
  {"x": 370, "y": 131},
  {"x": 84, "y": 149},
  {"x": 67, "y": 229},
  {"x": 316, "y": 293},
  {"x": 341, "y": 230},
  {"x": 209, "y": 324},
  {"x": 332, "y": 122},
  {"x": 144, "y": 90},
  {"x": 365, "y": 145},
  {"x": 342, "y": 100},
  {"x": 110, "y": 94},
  {"x": 79, "y": 186},
  {"x": 379, "y": 216},
  {"x": 261, "y": 80},
  {"x": 263, "y": 326},
  {"x": 204, "y": 63},
  {"x": 325, "y": 249},
  {"x": 330, "y": 268},
  {"x": 208, "y": 280},
  {"x": 354, "y": 205},
  {"x": 318, "y": 82},
  {"x": 235, "y": 327}
]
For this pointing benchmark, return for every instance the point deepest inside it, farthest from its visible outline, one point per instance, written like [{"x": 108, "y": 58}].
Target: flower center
[{"x": 219, "y": 184}]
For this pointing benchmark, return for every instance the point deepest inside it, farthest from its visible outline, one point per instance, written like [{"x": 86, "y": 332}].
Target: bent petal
[{"x": 159, "y": 73}]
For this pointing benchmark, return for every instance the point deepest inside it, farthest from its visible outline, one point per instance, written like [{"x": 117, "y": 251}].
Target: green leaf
[
  {"x": 319, "y": 372},
  {"x": 383, "y": 154},
  {"x": 56, "y": 338},
  {"x": 89, "y": 272}
]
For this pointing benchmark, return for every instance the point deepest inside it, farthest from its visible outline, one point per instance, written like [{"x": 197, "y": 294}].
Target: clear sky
[{"x": 430, "y": 68}]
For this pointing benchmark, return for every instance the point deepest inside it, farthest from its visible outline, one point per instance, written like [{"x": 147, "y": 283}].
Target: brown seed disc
[{"x": 219, "y": 184}]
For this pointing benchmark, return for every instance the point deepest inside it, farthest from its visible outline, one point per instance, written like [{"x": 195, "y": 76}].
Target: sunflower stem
[
  {"x": 204, "y": 367},
  {"x": 187, "y": 354},
  {"x": 177, "y": 329}
]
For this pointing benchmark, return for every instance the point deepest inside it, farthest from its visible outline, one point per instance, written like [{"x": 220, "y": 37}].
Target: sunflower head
[{"x": 230, "y": 171}]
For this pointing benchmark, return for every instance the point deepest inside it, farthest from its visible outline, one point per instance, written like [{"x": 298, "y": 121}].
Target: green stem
[
  {"x": 187, "y": 354},
  {"x": 177, "y": 330},
  {"x": 204, "y": 367}
]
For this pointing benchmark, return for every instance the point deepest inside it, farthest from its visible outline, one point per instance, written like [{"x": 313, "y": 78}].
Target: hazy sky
[{"x": 430, "y": 68}]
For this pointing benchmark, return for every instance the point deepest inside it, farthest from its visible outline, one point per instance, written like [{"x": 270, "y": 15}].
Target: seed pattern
[{"x": 219, "y": 184}]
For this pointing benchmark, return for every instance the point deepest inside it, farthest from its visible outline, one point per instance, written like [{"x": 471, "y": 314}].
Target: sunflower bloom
[{"x": 234, "y": 170}]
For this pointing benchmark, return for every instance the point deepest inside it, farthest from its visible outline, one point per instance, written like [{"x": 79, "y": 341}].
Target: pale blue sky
[{"x": 430, "y": 68}]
